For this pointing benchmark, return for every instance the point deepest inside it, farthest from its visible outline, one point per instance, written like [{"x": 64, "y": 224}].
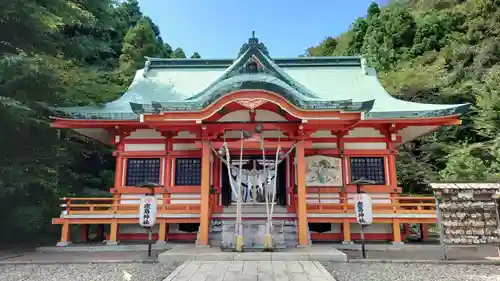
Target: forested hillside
[
  {"x": 436, "y": 51},
  {"x": 61, "y": 52}
]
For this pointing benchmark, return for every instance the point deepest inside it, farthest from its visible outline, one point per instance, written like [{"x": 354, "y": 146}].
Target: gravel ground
[
  {"x": 412, "y": 272},
  {"x": 86, "y": 272},
  {"x": 428, "y": 253}
]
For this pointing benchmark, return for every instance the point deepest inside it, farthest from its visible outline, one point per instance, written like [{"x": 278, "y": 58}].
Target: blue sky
[{"x": 218, "y": 28}]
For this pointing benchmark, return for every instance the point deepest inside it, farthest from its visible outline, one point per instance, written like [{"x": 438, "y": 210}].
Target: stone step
[
  {"x": 254, "y": 209},
  {"x": 252, "y": 222},
  {"x": 284, "y": 233}
]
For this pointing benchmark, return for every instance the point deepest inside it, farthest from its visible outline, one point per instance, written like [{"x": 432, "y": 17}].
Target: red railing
[
  {"x": 80, "y": 206},
  {"x": 328, "y": 203}
]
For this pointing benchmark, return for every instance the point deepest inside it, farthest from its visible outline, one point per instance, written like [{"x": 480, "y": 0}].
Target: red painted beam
[
  {"x": 144, "y": 236},
  {"x": 314, "y": 140},
  {"x": 248, "y": 144}
]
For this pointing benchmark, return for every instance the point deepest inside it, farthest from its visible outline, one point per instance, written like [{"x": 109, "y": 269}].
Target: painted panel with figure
[{"x": 324, "y": 171}]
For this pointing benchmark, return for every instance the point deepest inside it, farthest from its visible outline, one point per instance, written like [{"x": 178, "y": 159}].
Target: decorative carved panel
[
  {"x": 251, "y": 103},
  {"x": 324, "y": 171}
]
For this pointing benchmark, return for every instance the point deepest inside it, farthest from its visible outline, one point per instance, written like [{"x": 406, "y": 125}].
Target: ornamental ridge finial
[{"x": 253, "y": 34}]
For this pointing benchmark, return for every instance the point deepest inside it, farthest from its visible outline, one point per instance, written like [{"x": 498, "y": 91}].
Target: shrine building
[{"x": 332, "y": 120}]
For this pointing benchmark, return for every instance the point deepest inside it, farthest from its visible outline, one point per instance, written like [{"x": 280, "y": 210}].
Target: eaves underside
[{"x": 456, "y": 111}]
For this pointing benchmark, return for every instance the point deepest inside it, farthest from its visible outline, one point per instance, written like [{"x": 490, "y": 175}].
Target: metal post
[
  {"x": 152, "y": 186},
  {"x": 495, "y": 200},
  {"x": 358, "y": 183},
  {"x": 363, "y": 250},
  {"x": 441, "y": 230},
  {"x": 150, "y": 242}
]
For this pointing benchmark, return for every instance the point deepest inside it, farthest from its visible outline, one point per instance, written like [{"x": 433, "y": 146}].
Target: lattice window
[
  {"x": 188, "y": 171},
  {"x": 143, "y": 170},
  {"x": 369, "y": 168}
]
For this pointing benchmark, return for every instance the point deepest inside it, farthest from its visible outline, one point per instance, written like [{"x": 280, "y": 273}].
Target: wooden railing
[
  {"x": 82, "y": 206},
  {"x": 396, "y": 204}
]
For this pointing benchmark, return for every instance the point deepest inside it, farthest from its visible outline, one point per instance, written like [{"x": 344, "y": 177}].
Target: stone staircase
[{"x": 284, "y": 231}]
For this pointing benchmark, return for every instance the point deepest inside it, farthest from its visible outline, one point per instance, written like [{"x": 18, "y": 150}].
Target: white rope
[
  {"x": 236, "y": 167},
  {"x": 262, "y": 148},
  {"x": 288, "y": 153},
  {"x": 237, "y": 191},
  {"x": 275, "y": 180},
  {"x": 238, "y": 199},
  {"x": 228, "y": 160},
  {"x": 220, "y": 157}
]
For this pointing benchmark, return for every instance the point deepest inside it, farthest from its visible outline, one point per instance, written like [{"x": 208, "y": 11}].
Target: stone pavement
[
  {"x": 191, "y": 252},
  {"x": 250, "y": 271}
]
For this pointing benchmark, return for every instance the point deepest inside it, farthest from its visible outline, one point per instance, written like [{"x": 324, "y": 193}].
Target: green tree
[
  {"x": 358, "y": 31},
  {"x": 325, "y": 48},
  {"x": 67, "y": 56},
  {"x": 139, "y": 42},
  {"x": 129, "y": 14},
  {"x": 444, "y": 51},
  {"x": 388, "y": 37},
  {"x": 155, "y": 28},
  {"x": 487, "y": 120},
  {"x": 178, "y": 54},
  {"x": 167, "y": 51},
  {"x": 470, "y": 163},
  {"x": 196, "y": 55},
  {"x": 373, "y": 10}
]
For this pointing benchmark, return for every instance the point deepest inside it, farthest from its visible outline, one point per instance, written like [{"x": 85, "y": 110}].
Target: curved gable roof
[
  {"x": 325, "y": 83},
  {"x": 244, "y": 82}
]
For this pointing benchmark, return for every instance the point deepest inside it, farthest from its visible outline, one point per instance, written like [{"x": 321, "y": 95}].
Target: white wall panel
[
  {"x": 145, "y": 147},
  {"x": 145, "y": 134},
  {"x": 365, "y": 145},
  {"x": 187, "y": 198}
]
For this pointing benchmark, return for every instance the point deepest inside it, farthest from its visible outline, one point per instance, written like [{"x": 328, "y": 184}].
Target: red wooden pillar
[
  {"x": 391, "y": 159},
  {"x": 216, "y": 183},
  {"x": 168, "y": 163},
  {"x": 65, "y": 235},
  {"x": 344, "y": 161},
  {"x": 301, "y": 195},
  {"x": 119, "y": 164},
  {"x": 291, "y": 185},
  {"x": 205, "y": 195}
]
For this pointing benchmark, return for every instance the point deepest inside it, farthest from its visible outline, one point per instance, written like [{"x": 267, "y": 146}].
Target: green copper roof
[{"x": 336, "y": 83}]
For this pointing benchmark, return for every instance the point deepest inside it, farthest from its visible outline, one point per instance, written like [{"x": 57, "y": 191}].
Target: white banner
[
  {"x": 363, "y": 207},
  {"x": 147, "y": 212}
]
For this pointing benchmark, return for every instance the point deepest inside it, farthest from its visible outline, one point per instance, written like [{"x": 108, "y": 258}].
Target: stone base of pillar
[
  {"x": 304, "y": 246},
  {"x": 111, "y": 243},
  {"x": 63, "y": 244},
  {"x": 160, "y": 242},
  {"x": 202, "y": 246},
  {"x": 398, "y": 244},
  {"x": 347, "y": 242}
]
